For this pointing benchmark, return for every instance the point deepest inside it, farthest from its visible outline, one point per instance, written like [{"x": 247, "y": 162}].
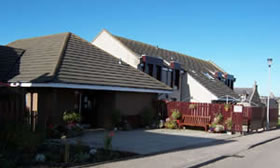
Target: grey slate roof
[
  {"x": 244, "y": 91},
  {"x": 197, "y": 68},
  {"x": 252, "y": 95},
  {"x": 9, "y": 62},
  {"x": 67, "y": 58}
]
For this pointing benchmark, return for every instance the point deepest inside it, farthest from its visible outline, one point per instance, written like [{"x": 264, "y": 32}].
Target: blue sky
[{"x": 238, "y": 35}]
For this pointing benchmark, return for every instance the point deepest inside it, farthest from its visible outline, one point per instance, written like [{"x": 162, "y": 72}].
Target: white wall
[
  {"x": 109, "y": 44},
  {"x": 199, "y": 93}
]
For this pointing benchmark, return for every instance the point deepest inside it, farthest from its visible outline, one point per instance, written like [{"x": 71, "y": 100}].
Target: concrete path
[
  {"x": 196, "y": 157},
  {"x": 147, "y": 142}
]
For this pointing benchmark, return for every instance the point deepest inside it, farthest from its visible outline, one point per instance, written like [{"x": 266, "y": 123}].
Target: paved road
[
  {"x": 197, "y": 157},
  {"x": 266, "y": 155}
]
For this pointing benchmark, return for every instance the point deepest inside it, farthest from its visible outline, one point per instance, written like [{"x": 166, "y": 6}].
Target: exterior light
[{"x": 269, "y": 62}]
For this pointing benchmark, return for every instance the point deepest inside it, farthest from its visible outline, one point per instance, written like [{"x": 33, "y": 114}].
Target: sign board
[{"x": 237, "y": 109}]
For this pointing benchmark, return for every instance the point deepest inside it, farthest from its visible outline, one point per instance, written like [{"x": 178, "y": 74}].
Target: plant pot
[{"x": 229, "y": 132}]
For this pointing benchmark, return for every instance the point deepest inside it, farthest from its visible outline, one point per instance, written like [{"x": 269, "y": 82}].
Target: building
[
  {"x": 272, "y": 101},
  {"x": 192, "y": 79},
  {"x": 249, "y": 96},
  {"x": 63, "y": 72}
]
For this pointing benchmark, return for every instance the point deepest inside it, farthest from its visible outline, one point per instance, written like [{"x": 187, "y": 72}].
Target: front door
[{"x": 88, "y": 111}]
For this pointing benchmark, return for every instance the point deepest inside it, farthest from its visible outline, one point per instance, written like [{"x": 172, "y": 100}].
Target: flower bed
[{"x": 53, "y": 155}]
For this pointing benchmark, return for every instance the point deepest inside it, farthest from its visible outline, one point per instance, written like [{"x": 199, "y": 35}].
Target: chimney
[{"x": 255, "y": 85}]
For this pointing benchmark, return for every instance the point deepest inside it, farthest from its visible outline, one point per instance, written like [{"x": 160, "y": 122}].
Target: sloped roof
[
  {"x": 252, "y": 95},
  {"x": 8, "y": 61},
  {"x": 244, "y": 91},
  {"x": 67, "y": 58},
  {"x": 202, "y": 71}
]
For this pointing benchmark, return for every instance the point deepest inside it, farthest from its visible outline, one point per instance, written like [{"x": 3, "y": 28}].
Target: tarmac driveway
[{"x": 154, "y": 141}]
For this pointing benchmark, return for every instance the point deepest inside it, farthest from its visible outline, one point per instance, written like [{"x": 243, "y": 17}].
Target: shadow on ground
[{"x": 151, "y": 142}]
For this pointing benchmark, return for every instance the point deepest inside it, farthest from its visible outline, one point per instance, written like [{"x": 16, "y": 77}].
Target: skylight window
[{"x": 208, "y": 76}]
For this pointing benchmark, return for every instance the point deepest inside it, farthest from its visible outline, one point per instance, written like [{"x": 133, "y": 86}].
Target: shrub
[
  {"x": 108, "y": 140},
  {"x": 171, "y": 124},
  {"x": 217, "y": 124},
  {"x": 20, "y": 137},
  {"x": 218, "y": 118},
  {"x": 81, "y": 157},
  {"x": 176, "y": 114},
  {"x": 227, "y": 107},
  {"x": 71, "y": 116},
  {"x": 229, "y": 124}
]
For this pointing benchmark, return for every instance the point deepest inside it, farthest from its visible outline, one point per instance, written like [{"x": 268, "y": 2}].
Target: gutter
[
  {"x": 4, "y": 84},
  {"x": 89, "y": 87}
]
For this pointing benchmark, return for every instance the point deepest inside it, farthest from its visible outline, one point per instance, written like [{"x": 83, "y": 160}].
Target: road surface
[{"x": 263, "y": 156}]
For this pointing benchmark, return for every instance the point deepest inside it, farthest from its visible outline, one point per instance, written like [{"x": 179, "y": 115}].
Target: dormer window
[
  {"x": 150, "y": 69},
  {"x": 169, "y": 73},
  {"x": 175, "y": 75},
  {"x": 158, "y": 76},
  {"x": 152, "y": 66},
  {"x": 177, "y": 78},
  {"x": 226, "y": 78}
]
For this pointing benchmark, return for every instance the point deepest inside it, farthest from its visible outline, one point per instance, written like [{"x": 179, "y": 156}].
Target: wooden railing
[{"x": 253, "y": 117}]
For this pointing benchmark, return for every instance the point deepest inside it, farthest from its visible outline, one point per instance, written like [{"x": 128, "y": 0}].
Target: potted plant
[
  {"x": 227, "y": 107},
  {"x": 71, "y": 117},
  {"x": 192, "y": 106},
  {"x": 176, "y": 115},
  {"x": 229, "y": 125},
  {"x": 216, "y": 125}
]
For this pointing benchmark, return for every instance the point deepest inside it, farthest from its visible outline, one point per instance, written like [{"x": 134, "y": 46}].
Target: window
[
  {"x": 171, "y": 81},
  {"x": 150, "y": 69},
  {"x": 144, "y": 67},
  {"x": 158, "y": 73},
  {"x": 177, "y": 78}
]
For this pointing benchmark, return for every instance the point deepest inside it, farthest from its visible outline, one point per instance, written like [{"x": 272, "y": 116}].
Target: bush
[
  {"x": 171, "y": 124},
  {"x": 229, "y": 124},
  {"x": 71, "y": 116},
  {"x": 20, "y": 137},
  {"x": 176, "y": 114},
  {"x": 218, "y": 119},
  {"x": 108, "y": 140},
  {"x": 18, "y": 144},
  {"x": 216, "y": 125}
]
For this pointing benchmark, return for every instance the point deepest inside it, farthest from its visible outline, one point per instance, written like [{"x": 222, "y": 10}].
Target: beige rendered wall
[
  {"x": 109, "y": 44},
  {"x": 198, "y": 92}
]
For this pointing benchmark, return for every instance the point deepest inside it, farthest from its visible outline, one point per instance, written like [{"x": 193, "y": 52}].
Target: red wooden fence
[
  {"x": 253, "y": 117},
  {"x": 256, "y": 117}
]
